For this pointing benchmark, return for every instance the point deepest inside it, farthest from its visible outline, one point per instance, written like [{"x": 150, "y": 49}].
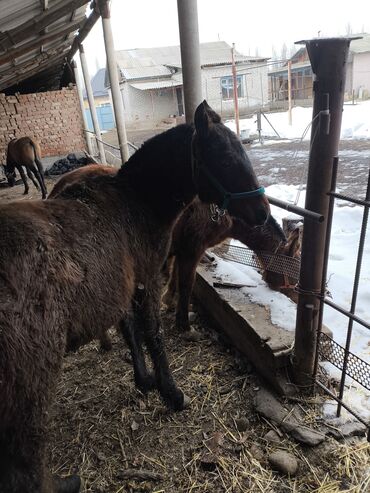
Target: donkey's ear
[{"x": 204, "y": 118}]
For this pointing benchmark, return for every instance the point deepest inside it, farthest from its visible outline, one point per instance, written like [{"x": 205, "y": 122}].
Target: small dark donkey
[
  {"x": 25, "y": 152},
  {"x": 69, "y": 267}
]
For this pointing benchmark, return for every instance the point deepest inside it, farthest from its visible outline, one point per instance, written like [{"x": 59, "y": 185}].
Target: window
[{"x": 227, "y": 87}]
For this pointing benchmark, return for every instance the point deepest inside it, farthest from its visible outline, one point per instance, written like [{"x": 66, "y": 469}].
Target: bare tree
[{"x": 348, "y": 29}]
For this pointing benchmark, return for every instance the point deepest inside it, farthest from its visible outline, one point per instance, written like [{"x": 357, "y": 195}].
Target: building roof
[
  {"x": 360, "y": 45},
  {"x": 144, "y": 63},
  {"x": 156, "y": 84},
  {"x": 295, "y": 67},
  {"x": 356, "y": 46},
  {"x": 98, "y": 84},
  {"x": 36, "y": 37}
]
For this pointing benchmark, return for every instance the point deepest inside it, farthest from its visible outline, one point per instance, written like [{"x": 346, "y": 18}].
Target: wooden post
[
  {"x": 235, "y": 84},
  {"x": 290, "y": 92},
  {"x": 81, "y": 100},
  {"x": 114, "y": 81},
  {"x": 90, "y": 98}
]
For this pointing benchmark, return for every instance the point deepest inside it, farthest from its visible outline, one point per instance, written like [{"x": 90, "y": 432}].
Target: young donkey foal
[
  {"x": 25, "y": 152},
  {"x": 193, "y": 234},
  {"x": 69, "y": 267}
]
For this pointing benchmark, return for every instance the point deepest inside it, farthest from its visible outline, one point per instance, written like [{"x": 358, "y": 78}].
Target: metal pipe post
[
  {"x": 81, "y": 100},
  {"x": 328, "y": 59},
  {"x": 90, "y": 98},
  {"x": 235, "y": 86},
  {"x": 290, "y": 92},
  {"x": 113, "y": 78},
  {"x": 190, "y": 56}
]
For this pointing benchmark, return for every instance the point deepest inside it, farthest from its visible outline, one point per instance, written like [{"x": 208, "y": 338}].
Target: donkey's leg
[
  {"x": 168, "y": 297},
  {"x": 105, "y": 341},
  {"x": 186, "y": 277},
  {"x": 150, "y": 316},
  {"x": 31, "y": 177},
  {"x": 24, "y": 179},
  {"x": 41, "y": 171},
  {"x": 132, "y": 333},
  {"x": 39, "y": 177}
]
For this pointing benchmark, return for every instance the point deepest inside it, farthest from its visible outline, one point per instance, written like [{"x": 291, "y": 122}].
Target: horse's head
[
  {"x": 222, "y": 171},
  {"x": 9, "y": 171}
]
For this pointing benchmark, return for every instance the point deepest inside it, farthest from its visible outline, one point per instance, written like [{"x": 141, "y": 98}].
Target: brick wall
[{"x": 53, "y": 118}]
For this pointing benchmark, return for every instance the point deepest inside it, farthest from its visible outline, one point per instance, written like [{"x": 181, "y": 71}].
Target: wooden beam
[
  {"x": 11, "y": 38},
  {"x": 83, "y": 32},
  {"x": 50, "y": 36},
  {"x": 28, "y": 70}
]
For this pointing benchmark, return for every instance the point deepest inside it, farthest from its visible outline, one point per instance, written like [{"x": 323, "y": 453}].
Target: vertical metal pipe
[
  {"x": 114, "y": 81},
  {"x": 235, "y": 86},
  {"x": 354, "y": 293},
  {"x": 190, "y": 56},
  {"x": 328, "y": 59},
  {"x": 326, "y": 259},
  {"x": 290, "y": 92},
  {"x": 81, "y": 100},
  {"x": 90, "y": 98}
]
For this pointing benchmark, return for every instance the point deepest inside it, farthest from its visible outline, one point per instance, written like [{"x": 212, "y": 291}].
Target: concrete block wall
[{"x": 53, "y": 118}]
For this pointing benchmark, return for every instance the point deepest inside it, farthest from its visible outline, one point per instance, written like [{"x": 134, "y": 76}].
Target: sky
[{"x": 250, "y": 25}]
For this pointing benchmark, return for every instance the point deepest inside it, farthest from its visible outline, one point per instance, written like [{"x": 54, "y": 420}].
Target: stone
[
  {"x": 283, "y": 462},
  {"x": 256, "y": 452},
  {"x": 242, "y": 424},
  {"x": 192, "y": 317},
  {"x": 272, "y": 436},
  {"x": 267, "y": 405}
]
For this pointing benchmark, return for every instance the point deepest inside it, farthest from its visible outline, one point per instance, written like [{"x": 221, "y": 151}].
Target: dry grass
[{"x": 102, "y": 426}]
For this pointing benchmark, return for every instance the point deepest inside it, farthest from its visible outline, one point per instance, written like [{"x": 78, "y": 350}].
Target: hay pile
[{"x": 123, "y": 442}]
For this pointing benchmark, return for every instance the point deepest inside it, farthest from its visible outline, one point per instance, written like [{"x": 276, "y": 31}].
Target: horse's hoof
[
  {"x": 177, "y": 401},
  {"x": 69, "y": 484},
  {"x": 25, "y": 192}
]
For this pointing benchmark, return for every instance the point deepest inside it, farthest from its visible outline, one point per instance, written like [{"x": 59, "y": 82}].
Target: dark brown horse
[
  {"x": 94, "y": 259},
  {"x": 25, "y": 152}
]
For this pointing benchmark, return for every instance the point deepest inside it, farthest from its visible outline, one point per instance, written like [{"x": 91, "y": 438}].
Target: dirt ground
[{"x": 103, "y": 428}]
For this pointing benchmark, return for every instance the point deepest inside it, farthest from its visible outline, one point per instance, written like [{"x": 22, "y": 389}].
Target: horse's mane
[{"x": 154, "y": 149}]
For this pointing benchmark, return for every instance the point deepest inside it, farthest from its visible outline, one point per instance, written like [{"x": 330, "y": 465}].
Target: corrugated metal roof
[
  {"x": 35, "y": 40},
  {"x": 360, "y": 45},
  {"x": 156, "y": 84},
  {"x": 142, "y": 63}
]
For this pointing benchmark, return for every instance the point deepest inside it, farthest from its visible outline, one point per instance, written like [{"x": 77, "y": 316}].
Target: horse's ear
[{"x": 204, "y": 118}]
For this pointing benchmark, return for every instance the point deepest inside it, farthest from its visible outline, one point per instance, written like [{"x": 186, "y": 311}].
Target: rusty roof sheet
[{"x": 35, "y": 38}]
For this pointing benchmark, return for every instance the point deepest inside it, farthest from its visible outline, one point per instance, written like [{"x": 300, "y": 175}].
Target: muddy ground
[{"x": 102, "y": 427}]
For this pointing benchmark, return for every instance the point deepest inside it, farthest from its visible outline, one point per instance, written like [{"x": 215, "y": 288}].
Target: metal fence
[{"x": 328, "y": 349}]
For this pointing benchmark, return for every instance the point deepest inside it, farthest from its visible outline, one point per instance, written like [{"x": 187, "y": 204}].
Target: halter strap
[{"x": 227, "y": 196}]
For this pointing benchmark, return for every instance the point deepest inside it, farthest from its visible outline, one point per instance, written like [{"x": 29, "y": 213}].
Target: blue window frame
[{"x": 227, "y": 87}]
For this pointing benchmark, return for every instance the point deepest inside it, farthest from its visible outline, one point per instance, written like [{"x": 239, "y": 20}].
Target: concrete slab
[{"x": 248, "y": 325}]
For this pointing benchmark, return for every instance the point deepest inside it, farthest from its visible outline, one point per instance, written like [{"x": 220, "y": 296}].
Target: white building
[{"x": 151, "y": 82}]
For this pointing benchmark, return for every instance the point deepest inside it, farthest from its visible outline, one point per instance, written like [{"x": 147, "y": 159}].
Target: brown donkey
[
  {"x": 25, "y": 152},
  {"x": 193, "y": 234},
  {"x": 93, "y": 259}
]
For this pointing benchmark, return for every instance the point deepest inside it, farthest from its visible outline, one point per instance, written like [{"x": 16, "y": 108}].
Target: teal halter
[{"x": 227, "y": 196}]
